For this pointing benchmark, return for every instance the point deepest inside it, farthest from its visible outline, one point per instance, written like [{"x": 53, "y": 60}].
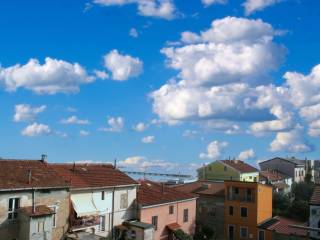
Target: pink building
[{"x": 167, "y": 209}]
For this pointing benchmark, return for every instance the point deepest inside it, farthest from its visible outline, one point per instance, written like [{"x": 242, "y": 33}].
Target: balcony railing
[{"x": 241, "y": 198}]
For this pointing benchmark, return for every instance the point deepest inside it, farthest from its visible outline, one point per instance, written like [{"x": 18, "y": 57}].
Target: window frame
[
  {"x": 103, "y": 195},
  {"x": 171, "y": 209},
  {"x": 13, "y": 211},
  {"x": 154, "y": 222},
  {"x": 240, "y": 232},
  {"x": 231, "y": 207},
  {"x": 124, "y": 205},
  {"x": 185, "y": 215},
  {"x": 241, "y": 212}
]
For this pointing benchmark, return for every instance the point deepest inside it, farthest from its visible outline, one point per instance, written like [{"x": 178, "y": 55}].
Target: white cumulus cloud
[
  {"x": 133, "y": 33},
  {"x": 116, "y": 124},
  {"x": 148, "y": 139},
  {"x": 251, "y": 6},
  {"x": 247, "y": 154},
  {"x": 210, "y": 2},
  {"x": 84, "y": 133},
  {"x": 149, "y": 8},
  {"x": 51, "y": 77},
  {"x": 214, "y": 150},
  {"x": 25, "y": 112},
  {"x": 75, "y": 120},
  {"x": 36, "y": 129},
  {"x": 121, "y": 66},
  {"x": 140, "y": 127}
]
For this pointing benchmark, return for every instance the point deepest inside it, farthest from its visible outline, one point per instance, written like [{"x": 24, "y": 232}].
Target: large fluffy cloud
[
  {"x": 252, "y": 6},
  {"x": 219, "y": 72},
  {"x": 53, "y": 76},
  {"x": 36, "y": 129},
  {"x": 121, "y": 66},
  {"x": 149, "y": 8}
]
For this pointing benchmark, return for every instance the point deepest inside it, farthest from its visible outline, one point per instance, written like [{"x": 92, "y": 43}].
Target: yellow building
[
  {"x": 247, "y": 204},
  {"x": 229, "y": 170}
]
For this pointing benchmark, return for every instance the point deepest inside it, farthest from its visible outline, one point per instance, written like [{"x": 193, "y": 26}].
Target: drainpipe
[
  {"x": 112, "y": 215},
  {"x": 33, "y": 201}
]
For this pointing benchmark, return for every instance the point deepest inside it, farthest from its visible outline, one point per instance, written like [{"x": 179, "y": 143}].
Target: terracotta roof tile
[
  {"x": 202, "y": 188},
  {"x": 14, "y": 174},
  {"x": 92, "y": 175},
  {"x": 240, "y": 166},
  {"x": 315, "y": 199},
  {"x": 152, "y": 193},
  {"x": 284, "y": 226},
  {"x": 40, "y": 210}
]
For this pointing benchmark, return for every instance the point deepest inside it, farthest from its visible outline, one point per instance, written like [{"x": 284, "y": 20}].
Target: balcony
[
  {"x": 241, "y": 198},
  {"x": 84, "y": 222}
]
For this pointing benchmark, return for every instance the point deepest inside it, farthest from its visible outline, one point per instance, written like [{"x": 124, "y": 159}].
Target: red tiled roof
[
  {"x": 152, "y": 193},
  {"x": 92, "y": 175},
  {"x": 41, "y": 210},
  {"x": 202, "y": 188},
  {"x": 315, "y": 199},
  {"x": 14, "y": 174},
  {"x": 240, "y": 166},
  {"x": 284, "y": 226},
  {"x": 273, "y": 175}
]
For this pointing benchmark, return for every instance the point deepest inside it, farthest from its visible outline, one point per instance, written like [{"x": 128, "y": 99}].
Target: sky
[{"x": 159, "y": 85}]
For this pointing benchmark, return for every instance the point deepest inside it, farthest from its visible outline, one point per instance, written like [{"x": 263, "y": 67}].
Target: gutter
[
  {"x": 32, "y": 188},
  {"x": 168, "y": 203},
  {"x": 104, "y": 187}
]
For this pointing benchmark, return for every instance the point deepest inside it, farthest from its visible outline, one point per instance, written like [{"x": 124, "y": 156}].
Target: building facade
[
  {"x": 102, "y": 197},
  {"x": 166, "y": 209},
  {"x": 292, "y": 167},
  {"x": 280, "y": 182},
  {"x": 210, "y": 204},
  {"x": 247, "y": 204},
  {"x": 34, "y": 201},
  {"x": 221, "y": 170},
  {"x": 314, "y": 216}
]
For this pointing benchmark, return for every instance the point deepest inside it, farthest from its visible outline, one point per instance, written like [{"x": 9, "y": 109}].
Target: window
[
  {"x": 244, "y": 212},
  {"x": 261, "y": 235},
  {"x": 171, "y": 209},
  {"x": 54, "y": 216},
  {"x": 155, "y": 222},
  {"x": 124, "y": 200},
  {"x": 14, "y": 204},
  {"x": 231, "y": 210},
  {"x": 236, "y": 190},
  {"x": 231, "y": 232},
  {"x": 249, "y": 195},
  {"x": 243, "y": 232},
  {"x": 102, "y": 195},
  {"x": 40, "y": 226},
  {"x": 102, "y": 224},
  {"x": 185, "y": 215}
]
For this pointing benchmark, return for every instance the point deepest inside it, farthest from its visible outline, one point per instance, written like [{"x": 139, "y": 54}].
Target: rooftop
[
  {"x": 40, "y": 211},
  {"x": 152, "y": 193},
  {"x": 28, "y": 174},
  {"x": 284, "y": 226},
  {"x": 273, "y": 175},
  {"x": 240, "y": 166},
  {"x": 295, "y": 161},
  {"x": 202, "y": 188},
  {"x": 83, "y": 176},
  {"x": 315, "y": 199}
]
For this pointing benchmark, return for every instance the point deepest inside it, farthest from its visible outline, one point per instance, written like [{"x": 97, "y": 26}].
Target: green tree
[
  {"x": 181, "y": 235},
  {"x": 281, "y": 204},
  {"x": 299, "y": 209},
  {"x": 204, "y": 233},
  {"x": 302, "y": 191}
]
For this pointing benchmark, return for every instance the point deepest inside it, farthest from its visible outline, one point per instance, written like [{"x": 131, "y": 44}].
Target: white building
[{"x": 102, "y": 197}]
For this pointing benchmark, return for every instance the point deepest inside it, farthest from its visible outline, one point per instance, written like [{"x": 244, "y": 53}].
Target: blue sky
[{"x": 77, "y": 77}]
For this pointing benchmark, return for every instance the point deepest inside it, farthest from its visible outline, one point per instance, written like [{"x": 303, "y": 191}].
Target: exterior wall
[
  {"x": 314, "y": 220},
  {"x": 104, "y": 207},
  {"x": 217, "y": 171},
  {"x": 285, "y": 167},
  {"x": 259, "y": 209},
  {"x": 210, "y": 212},
  {"x": 250, "y": 177},
  {"x": 58, "y": 198},
  {"x": 47, "y": 234},
  {"x": 164, "y": 218}
]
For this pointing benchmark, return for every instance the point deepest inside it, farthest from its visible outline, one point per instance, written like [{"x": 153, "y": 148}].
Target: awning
[
  {"x": 83, "y": 204},
  {"x": 173, "y": 226}
]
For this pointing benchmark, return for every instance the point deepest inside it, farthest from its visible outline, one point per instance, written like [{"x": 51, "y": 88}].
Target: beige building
[{"x": 34, "y": 201}]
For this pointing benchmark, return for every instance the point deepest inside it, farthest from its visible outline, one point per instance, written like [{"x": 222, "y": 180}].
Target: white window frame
[
  {"x": 54, "y": 215},
  {"x": 122, "y": 204},
  {"x": 13, "y": 210},
  {"x": 102, "y": 228}
]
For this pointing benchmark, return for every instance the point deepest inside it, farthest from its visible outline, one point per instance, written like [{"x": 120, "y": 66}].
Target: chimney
[
  {"x": 29, "y": 177},
  {"x": 74, "y": 167},
  {"x": 115, "y": 163},
  {"x": 44, "y": 158}
]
